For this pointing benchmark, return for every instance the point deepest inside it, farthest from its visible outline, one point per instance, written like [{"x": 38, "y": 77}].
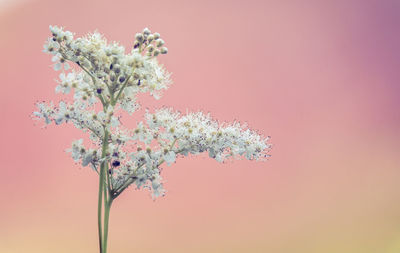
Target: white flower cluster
[
  {"x": 108, "y": 69},
  {"x": 196, "y": 132},
  {"x": 110, "y": 76}
]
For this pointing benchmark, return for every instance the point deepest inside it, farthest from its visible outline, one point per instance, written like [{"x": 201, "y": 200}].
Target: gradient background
[{"x": 320, "y": 77}]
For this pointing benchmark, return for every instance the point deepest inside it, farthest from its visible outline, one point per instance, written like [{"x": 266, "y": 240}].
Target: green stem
[
  {"x": 99, "y": 207},
  {"x": 102, "y": 190},
  {"x": 114, "y": 101},
  {"x": 106, "y": 219}
]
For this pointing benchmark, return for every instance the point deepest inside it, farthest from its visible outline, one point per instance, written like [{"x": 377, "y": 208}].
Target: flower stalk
[{"x": 104, "y": 74}]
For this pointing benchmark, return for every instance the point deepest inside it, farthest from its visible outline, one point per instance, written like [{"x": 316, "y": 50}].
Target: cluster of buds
[{"x": 151, "y": 43}]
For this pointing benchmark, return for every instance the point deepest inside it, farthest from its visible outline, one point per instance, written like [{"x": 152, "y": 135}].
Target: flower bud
[
  {"x": 117, "y": 68},
  {"x": 150, "y": 48},
  {"x": 146, "y": 31},
  {"x": 156, "y": 36},
  {"x": 122, "y": 79},
  {"x": 156, "y": 52},
  {"x": 112, "y": 77},
  {"x": 150, "y": 38},
  {"x": 136, "y": 44},
  {"x": 139, "y": 37},
  {"x": 116, "y": 163},
  {"x": 159, "y": 42},
  {"x": 164, "y": 50}
]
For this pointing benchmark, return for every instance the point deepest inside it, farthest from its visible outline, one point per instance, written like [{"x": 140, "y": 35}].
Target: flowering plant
[{"x": 106, "y": 80}]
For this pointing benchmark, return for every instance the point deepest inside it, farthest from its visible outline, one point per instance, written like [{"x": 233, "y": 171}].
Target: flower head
[{"x": 106, "y": 80}]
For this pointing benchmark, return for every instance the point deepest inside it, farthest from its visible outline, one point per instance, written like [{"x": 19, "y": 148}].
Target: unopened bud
[
  {"x": 146, "y": 31},
  {"x": 139, "y": 37},
  {"x": 150, "y": 38},
  {"x": 112, "y": 77},
  {"x": 150, "y": 48},
  {"x": 156, "y": 36},
  {"x": 116, "y": 163},
  {"x": 156, "y": 52},
  {"x": 159, "y": 42},
  {"x": 117, "y": 68},
  {"x": 164, "y": 50}
]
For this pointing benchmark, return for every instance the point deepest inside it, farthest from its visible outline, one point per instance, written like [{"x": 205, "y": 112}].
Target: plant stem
[
  {"x": 113, "y": 102},
  {"x": 102, "y": 190},
  {"x": 99, "y": 207},
  {"x": 106, "y": 219}
]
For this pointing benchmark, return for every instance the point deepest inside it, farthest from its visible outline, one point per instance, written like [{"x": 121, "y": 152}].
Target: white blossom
[
  {"x": 106, "y": 80},
  {"x": 169, "y": 157},
  {"x": 59, "y": 62}
]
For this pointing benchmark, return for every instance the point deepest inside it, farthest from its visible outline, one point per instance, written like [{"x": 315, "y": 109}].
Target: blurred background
[{"x": 320, "y": 77}]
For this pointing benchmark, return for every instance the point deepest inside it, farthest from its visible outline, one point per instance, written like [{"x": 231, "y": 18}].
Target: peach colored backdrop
[{"x": 320, "y": 77}]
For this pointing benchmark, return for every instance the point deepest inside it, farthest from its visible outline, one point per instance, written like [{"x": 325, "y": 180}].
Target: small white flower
[
  {"x": 66, "y": 83},
  {"x": 59, "y": 62},
  {"x": 77, "y": 149},
  {"x": 114, "y": 121},
  {"x": 62, "y": 114},
  {"x": 87, "y": 159},
  {"x": 169, "y": 157}
]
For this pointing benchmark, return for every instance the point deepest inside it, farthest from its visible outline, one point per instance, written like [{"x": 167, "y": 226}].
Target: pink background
[{"x": 320, "y": 77}]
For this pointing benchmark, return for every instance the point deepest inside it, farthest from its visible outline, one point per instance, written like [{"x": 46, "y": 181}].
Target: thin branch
[{"x": 120, "y": 90}]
